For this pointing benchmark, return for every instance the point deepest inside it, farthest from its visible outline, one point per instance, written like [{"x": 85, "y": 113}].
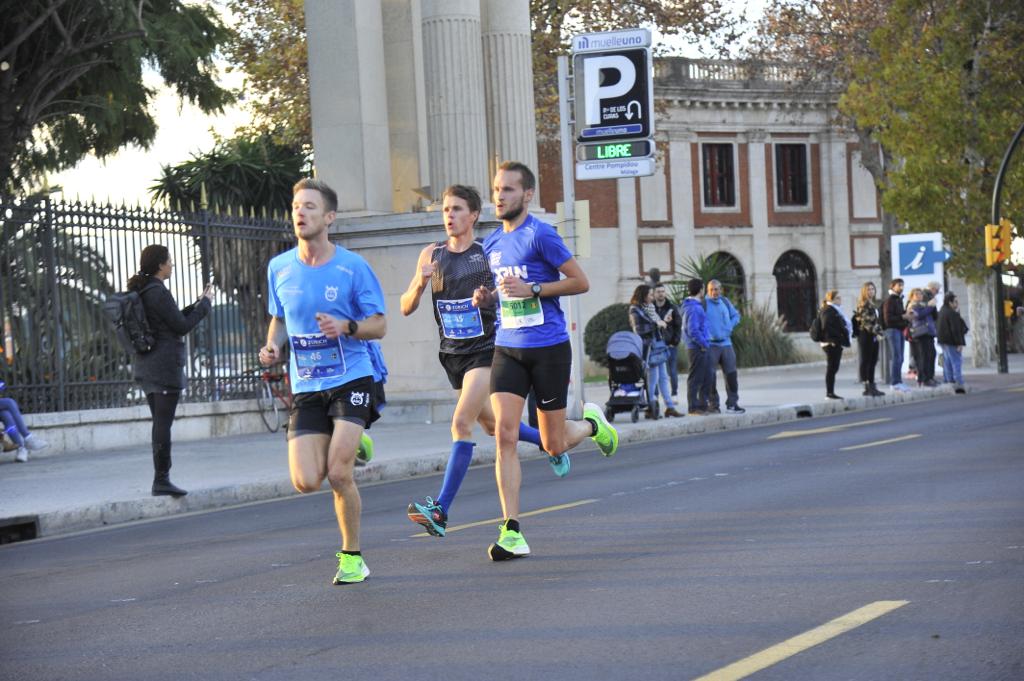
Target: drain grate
[{"x": 21, "y": 528}]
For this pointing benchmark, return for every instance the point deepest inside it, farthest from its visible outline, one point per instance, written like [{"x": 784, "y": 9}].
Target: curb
[{"x": 112, "y": 513}]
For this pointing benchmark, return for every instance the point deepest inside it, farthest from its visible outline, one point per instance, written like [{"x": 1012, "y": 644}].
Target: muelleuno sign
[{"x": 614, "y": 94}]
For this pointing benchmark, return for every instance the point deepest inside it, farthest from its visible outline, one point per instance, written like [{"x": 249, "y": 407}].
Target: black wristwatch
[
  {"x": 353, "y": 326},
  {"x": 535, "y": 288}
]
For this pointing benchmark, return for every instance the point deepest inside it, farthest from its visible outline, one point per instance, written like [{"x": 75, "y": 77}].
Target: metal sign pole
[{"x": 574, "y": 409}]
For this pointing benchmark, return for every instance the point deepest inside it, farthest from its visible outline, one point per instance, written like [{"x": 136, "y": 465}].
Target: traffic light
[{"x": 997, "y": 242}]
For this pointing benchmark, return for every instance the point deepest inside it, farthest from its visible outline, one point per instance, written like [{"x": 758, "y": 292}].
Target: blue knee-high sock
[
  {"x": 454, "y": 472},
  {"x": 529, "y": 434}
]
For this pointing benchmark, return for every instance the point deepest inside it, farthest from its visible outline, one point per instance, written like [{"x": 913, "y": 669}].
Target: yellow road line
[
  {"x": 779, "y": 652},
  {"x": 492, "y": 521},
  {"x": 1016, "y": 390},
  {"x": 881, "y": 442},
  {"x": 825, "y": 429}
]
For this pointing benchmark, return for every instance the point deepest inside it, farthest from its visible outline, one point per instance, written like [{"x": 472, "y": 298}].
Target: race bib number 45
[
  {"x": 518, "y": 313},
  {"x": 317, "y": 356}
]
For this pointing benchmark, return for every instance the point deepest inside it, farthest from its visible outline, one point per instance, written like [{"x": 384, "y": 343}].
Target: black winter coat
[
  {"x": 833, "y": 328},
  {"x": 673, "y": 333},
  {"x": 952, "y": 329},
  {"x": 164, "y": 366}
]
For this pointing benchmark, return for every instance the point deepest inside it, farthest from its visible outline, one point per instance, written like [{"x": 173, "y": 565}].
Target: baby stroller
[{"x": 627, "y": 375}]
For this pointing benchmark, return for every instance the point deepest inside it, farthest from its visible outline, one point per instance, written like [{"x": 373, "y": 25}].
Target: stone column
[
  {"x": 407, "y": 113},
  {"x": 762, "y": 282},
  {"x": 508, "y": 84},
  {"x": 348, "y": 102},
  {"x": 453, "y": 69}
]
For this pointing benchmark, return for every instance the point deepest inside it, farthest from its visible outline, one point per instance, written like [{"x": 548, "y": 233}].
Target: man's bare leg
[
  {"x": 508, "y": 409},
  {"x": 340, "y": 462}
]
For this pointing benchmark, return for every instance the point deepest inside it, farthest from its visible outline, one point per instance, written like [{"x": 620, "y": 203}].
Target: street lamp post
[{"x": 1000, "y": 317}]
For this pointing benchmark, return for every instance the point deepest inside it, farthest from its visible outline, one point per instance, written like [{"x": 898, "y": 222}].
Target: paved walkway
[{"x": 73, "y": 492}]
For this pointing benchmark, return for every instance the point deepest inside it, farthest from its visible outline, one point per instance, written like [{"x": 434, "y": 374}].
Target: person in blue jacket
[
  {"x": 722, "y": 319},
  {"x": 695, "y": 333}
]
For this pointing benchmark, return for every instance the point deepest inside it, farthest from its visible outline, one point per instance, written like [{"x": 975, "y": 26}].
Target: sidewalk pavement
[{"x": 59, "y": 494}]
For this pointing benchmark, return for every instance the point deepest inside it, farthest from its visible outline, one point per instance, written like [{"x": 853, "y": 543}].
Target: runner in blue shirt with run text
[
  {"x": 324, "y": 301},
  {"x": 532, "y": 268}
]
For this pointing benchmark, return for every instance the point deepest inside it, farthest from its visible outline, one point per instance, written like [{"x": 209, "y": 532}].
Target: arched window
[
  {"x": 731, "y": 274},
  {"x": 796, "y": 288}
]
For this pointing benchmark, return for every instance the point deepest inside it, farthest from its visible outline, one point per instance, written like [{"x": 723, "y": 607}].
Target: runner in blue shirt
[
  {"x": 529, "y": 260},
  {"x": 324, "y": 301},
  {"x": 453, "y": 269}
]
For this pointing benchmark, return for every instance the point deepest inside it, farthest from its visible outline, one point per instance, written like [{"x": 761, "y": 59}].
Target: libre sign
[{"x": 614, "y": 87}]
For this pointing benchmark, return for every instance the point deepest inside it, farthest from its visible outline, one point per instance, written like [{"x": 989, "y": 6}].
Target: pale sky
[{"x": 183, "y": 130}]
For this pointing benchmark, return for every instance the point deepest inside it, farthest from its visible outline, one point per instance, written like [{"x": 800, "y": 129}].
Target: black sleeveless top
[{"x": 463, "y": 329}]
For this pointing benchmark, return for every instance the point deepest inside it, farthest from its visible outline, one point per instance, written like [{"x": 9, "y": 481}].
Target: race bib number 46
[
  {"x": 317, "y": 356},
  {"x": 518, "y": 313}
]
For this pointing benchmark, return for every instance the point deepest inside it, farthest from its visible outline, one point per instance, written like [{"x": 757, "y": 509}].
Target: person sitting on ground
[{"x": 16, "y": 430}]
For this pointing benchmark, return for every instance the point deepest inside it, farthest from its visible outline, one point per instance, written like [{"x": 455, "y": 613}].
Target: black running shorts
[
  {"x": 315, "y": 412},
  {"x": 546, "y": 370},
  {"x": 456, "y": 366}
]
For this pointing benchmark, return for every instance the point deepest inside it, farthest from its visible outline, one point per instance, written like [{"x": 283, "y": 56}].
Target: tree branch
[{"x": 30, "y": 29}]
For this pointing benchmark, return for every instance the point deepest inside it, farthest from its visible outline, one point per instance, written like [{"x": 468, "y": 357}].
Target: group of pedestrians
[
  {"x": 706, "y": 324},
  {"x": 920, "y": 323}
]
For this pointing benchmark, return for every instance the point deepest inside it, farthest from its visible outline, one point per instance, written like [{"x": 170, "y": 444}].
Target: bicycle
[{"x": 274, "y": 396}]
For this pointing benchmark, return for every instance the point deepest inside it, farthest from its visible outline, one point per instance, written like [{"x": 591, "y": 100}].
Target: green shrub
[
  {"x": 600, "y": 327},
  {"x": 759, "y": 339}
]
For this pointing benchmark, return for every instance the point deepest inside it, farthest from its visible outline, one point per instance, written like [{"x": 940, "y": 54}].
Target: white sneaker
[
  {"x": 34, "y": 442},
  {"x": 22, "y": 455}
]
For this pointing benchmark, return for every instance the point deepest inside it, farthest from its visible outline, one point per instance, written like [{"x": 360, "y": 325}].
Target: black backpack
[
  {"x": 128, "y": 315},
  {"x": 816, "y": 329}
]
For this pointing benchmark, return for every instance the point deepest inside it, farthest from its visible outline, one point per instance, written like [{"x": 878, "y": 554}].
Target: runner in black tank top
[{"x": 454, "y": 269}]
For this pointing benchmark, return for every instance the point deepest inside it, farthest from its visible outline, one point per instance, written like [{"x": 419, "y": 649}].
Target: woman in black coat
[
  {"x": 835, "y": 335},
  {"x": 161, "y": 371}
]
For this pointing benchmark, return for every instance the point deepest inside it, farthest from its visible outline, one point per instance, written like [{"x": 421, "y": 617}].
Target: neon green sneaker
[
  {"x": 365, "y": 451},
  {"x": 510, "y": 545},
  {"x": 607, "y": 438},
  {"x": 351, "y": 569}
]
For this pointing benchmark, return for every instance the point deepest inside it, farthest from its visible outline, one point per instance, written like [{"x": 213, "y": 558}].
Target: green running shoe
[
  {"x": 607, "y": 438},
  {"x": 509, "y": 545},
  {"x": 560, "y": 464},
  {"x": 365, "y": 451},
  {"x": 351, "y": 569}
]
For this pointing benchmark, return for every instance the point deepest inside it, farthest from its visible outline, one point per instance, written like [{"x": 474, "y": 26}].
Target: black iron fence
[{"x": 59, "y": 261}]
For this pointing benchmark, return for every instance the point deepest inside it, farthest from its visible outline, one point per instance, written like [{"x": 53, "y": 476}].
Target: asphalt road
[{"x": 884, "y": 544}]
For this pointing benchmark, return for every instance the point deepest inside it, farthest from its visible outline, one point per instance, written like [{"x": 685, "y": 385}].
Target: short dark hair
[
  {"x": 329, "y": 195},
  {"x": 526, "y": 177},
  {"x": 895, "y": 281},
  {"x": 694, "y": 286},
  {"x": 468, "y": 194}
]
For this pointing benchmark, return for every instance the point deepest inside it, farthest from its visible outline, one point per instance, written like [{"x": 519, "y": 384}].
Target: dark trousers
[
  {"x": 867, "y": 346},
  {"x": 162, "y": 406},
  {"x": 698, "y": 380},
  {"x": 724, "y": 356},
  {"x": 923, "y": 348},
  {"x": 833, "y": 354}
]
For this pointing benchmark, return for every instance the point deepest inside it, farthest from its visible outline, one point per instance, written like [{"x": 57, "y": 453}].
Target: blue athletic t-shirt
[
  {"x": 344, "y": 287},
  {"x": 533, "y": 251}
]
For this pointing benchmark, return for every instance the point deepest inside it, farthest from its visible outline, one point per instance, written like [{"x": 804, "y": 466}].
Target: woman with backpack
[
  {"x": 646, "y": 323},
  {"x": 161, "y": 371},
  {"x": 834, "y": 335}
]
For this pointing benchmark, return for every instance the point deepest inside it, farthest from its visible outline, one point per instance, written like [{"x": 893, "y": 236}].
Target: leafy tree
[
  {"x": 945, "y": 96},
  {"x": 71, "y": 77},
  {"x": 241, "y": 174},
  {"x": 270, "y": 48}
]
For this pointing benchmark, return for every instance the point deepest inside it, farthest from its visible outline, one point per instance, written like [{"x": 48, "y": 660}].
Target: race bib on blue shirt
[{"x": 317, "y": 356}]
